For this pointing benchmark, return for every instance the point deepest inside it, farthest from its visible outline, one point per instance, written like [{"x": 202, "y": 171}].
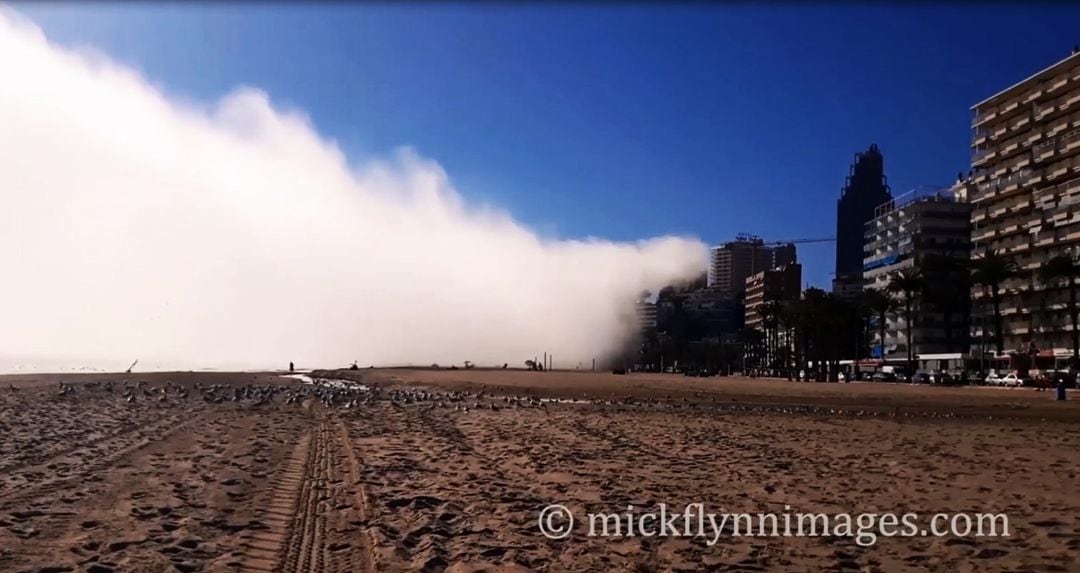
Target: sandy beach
[{"x": 441, "y": 470}]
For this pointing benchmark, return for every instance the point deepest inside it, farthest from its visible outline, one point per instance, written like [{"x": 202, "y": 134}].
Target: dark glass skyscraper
[{"x": 864, "y": 190}]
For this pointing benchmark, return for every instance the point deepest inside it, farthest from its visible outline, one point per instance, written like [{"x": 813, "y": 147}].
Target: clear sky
[{"x": 609, "y": 120}]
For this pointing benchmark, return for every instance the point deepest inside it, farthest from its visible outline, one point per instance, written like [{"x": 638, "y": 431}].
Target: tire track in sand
[
  {"x": 264, "y": 549},
  {"x": 361, "y": 556},
  {"x": 315, "y": 508}
]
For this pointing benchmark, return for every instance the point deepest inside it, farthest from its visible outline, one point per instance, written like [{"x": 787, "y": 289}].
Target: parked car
[
  {"x": 921, "y": 378},
  {"x": 1010, "y": 380},
  {"x": 942, "y": 378},
  {"x": 883, "y": 377}
]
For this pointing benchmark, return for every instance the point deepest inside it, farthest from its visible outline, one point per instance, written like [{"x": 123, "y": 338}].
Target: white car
[
  {"x": 1008, "y": 380},
  {"x": 1012, "y": 381}
]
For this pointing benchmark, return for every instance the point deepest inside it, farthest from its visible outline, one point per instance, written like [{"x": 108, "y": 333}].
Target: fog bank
[{"x": 235, "y": 236}]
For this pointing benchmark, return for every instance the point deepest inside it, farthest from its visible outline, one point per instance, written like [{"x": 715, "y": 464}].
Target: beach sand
[{"x": 94, "y": 480}]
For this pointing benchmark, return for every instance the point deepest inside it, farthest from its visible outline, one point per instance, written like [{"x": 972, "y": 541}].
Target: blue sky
[{"x": 617, "y": 121}]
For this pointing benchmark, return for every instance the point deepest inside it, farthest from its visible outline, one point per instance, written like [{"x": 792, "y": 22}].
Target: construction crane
[
  {"x": 756, "y": 241},
  {"x": 802, "y": 241},
  {"x": 750, "y": 238}
]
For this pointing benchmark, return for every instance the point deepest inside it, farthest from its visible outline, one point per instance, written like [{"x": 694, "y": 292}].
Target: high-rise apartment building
[
  {"x": 645, "y": 312},
  {"x": 926, "y": 232},
  {"x": 778, "y": 284},
  {"x": 1024, "y": 188},
  {"x": 712, "y": 316},
  {"x": 864, "y": 189},
  {"x": 734, "y": 261}
]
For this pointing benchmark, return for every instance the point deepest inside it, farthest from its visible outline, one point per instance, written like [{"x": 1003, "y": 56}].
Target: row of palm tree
[
  {"x": 1065, "y": 268},
  {"x": 817, "y": 323},
  {"x": 820, "y": 328},
  {"x": 810, "y": 330},
  {"x": 990, "y": 272}
]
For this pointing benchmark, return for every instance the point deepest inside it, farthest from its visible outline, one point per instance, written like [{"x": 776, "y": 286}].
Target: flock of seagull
[{"x": 346, "y": 395}]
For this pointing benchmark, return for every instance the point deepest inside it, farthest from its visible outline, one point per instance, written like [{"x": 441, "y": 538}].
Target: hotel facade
[
  {"x": 1024, "y": 189},
  {"x": 924, "y": 231}
]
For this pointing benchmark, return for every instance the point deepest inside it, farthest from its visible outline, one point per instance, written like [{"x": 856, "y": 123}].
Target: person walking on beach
[{"x": 290, "y": 366}]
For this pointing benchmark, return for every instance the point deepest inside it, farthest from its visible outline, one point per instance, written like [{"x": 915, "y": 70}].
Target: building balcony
[
  {"x": 1009, "y": 230},
  {"x": 1071, "y": 99},
  {"x": 1057, "y": 83},
  {"x": 1035, "y": 177},
  {"x": 1059, "y": 191},
  {"x": 1023, "y": 205},
  {"x": 1043, "y": 111},
  {"x": 1057, "y": 127},
  {"x": 983, "y": 117},
  {"x": 1008, "y": 189},
  {"x": 1005, "y": 111},
  {"x": 1044, "y": 150},
  {"x": 1045, "y": 202},
  {"x": 1069, "y": 141},
  {"x": 1057, "y": 172}
]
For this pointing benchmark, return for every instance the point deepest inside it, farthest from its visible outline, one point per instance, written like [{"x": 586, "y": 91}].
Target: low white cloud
[{"x": 235, "y": 236}]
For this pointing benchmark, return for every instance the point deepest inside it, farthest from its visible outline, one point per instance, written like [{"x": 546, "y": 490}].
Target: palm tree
[
  {"x": 673, "y": 325},
  {"x": 862, "y": 314},
  {"x": 911, "y": 284},
  {"x": 1065, "y": 267},
  {"x": 751, "y": 345},
  {"x": 990, "y": 271},
  {"x": 769, "y": 311},
  {"x": 882, "y": 304},
  {"x": 823, "y": 316},
  {"x": 789, "y": 320},
  {"x": 948, "y": 292}
]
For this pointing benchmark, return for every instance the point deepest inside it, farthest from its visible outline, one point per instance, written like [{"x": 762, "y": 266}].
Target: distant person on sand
[{"x": 291, "y": 367}]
